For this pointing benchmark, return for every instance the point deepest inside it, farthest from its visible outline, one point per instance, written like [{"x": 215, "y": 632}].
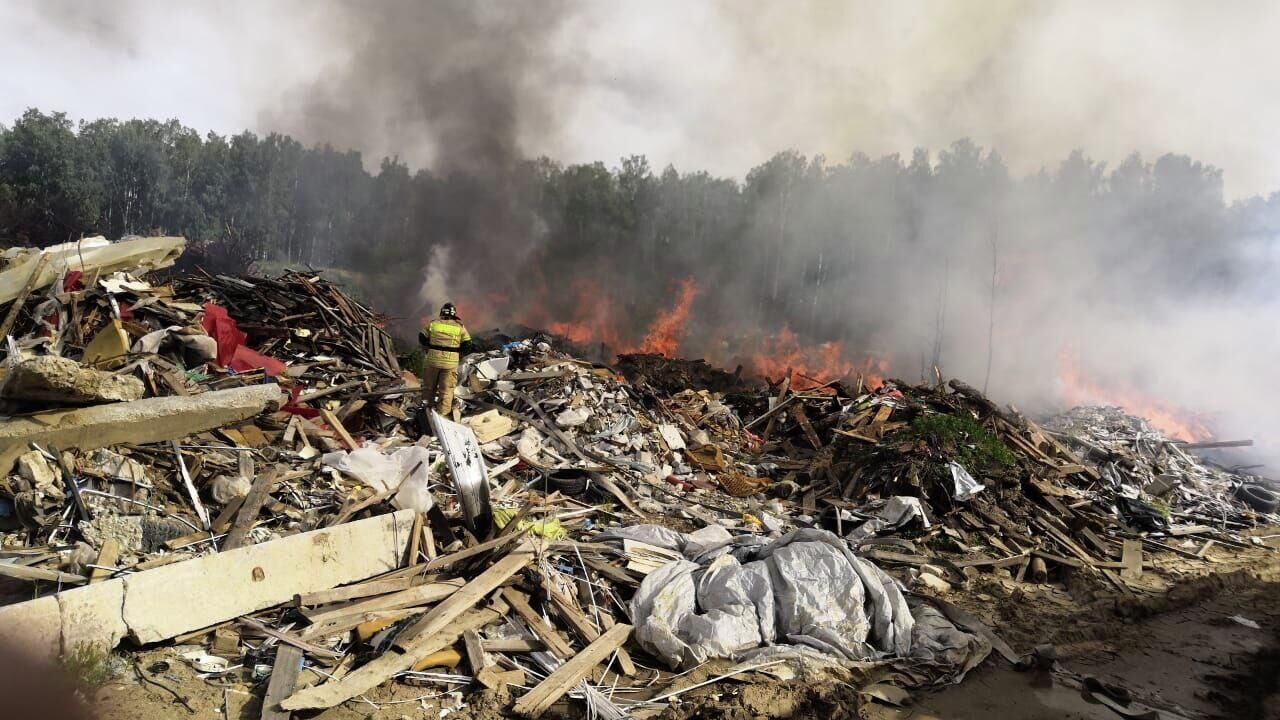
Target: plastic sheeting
[
  {"x": 730, "y": 598},
  {"x": 891, "y": 514},
  {"x": 966, "y": 486},
  {"x": 406, "y": 469}
]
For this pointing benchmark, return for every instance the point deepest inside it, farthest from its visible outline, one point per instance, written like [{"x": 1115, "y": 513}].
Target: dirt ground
[{"x": 1176, "y": 649}]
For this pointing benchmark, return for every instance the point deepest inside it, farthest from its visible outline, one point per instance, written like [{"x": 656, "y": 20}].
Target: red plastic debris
[
  {"x": 292, "y": 407},
  {"x": 73, "y": 281},
  {"x": 232, "y": 351},
  {"x": 245, "y": 360},
  {"x": 219, "y": 325}
]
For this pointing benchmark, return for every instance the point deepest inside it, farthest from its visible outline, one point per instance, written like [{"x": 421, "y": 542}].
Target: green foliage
[
  {"x": 969, "y": 443},
  {"x": 795, "y": 241},
  {"x": 88, "y": 664}
]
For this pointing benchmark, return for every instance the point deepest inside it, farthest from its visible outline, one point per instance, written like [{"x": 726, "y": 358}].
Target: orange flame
[
  {"x": 665, "y": 332},
  {"x": 1076, "y": 389},
  {"x": 591, "y": 320},
  {"x": 815, "y": 365}
]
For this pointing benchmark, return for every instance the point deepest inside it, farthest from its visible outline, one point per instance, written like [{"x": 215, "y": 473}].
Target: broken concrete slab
[
  {"x": 34, "y": 626},
  {"x": 135, "y": 256},
  {"x": 90, "y": 616},
  {"x": 141, "y": 421},
  {"x": 35, "y": 469},
  {"x": 63, "y": 381},
  {"x": 171, "y": 600},
  {"x": 168, "y": 601}
]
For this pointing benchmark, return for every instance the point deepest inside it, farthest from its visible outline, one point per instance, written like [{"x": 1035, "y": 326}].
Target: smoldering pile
[{"x": 549, "y": 536}]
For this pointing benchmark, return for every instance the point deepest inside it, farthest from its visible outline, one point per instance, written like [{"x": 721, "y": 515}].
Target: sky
[{"x": 720, "y": 85}]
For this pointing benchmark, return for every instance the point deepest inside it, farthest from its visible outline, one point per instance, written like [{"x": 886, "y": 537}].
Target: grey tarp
[{"x": 805, "y": 589}]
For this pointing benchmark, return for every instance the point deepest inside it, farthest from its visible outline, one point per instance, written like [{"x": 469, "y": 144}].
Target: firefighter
[{"x": 444, "y": 339}]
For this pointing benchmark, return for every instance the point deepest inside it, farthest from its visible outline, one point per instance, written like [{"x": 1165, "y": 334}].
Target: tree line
[{"x": 893, "y": 251}]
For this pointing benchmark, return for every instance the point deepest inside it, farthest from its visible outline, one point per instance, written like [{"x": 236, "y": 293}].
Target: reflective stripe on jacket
[{"x": 444, "y": 337}]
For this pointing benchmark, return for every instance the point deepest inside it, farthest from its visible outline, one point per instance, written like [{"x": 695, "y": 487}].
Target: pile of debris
[
  {"x": 232, "y": 464},
  {"x": 962, "y": 483},
  {"x": 236, "y": 465}
]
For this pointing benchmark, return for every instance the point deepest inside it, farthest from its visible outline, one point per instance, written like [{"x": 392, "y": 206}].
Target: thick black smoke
[{"x": 453, "y": 85}]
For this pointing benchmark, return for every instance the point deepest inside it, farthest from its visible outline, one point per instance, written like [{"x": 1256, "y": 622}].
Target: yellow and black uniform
[{"x": 443, "y": 339}]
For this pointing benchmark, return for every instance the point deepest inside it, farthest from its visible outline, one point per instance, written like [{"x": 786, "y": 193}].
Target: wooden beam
[
  {"x": 358, "y": 591},
  {"x": 385, "y": 666},
  {"x": 191, "y": 488},
  {"x": 12, "y": 316},
  {"x": 23, "y": 572},
  {"x": 536, "y": 702},
  {"x": 513, "y": 645},
  {"x": 333, "y": 422},
  {"x": 249, "y": 510},
  {"x": 418, "y": 595},
  {"x": 288, "y": 639},
  {"x": 1131, "y": 557},
  {"x": 520, "y": 604},
  {"x": 284, "y": 678},
  {"x": 475, "y": 651},
  {"x": 470, "y": 594},
  {"x": 107, "y": 558},
  {"x": 445, "y": 561}
]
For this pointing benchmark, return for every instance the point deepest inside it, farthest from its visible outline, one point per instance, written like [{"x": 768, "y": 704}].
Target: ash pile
[{"x": 233, "y": 479}]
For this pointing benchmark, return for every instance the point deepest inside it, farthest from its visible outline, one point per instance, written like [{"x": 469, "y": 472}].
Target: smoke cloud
[{"x": 1092, "y": 275}]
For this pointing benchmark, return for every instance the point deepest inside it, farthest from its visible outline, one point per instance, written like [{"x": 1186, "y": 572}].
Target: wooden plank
[
  {"x": 190, "y": 486},
  {"x": 223, "y": 522},
  {"x": 12, "y": 316},
  {"x": 1131, "y": 557},
  {"x": 625, "y": 663},
  {"x": 453, "y": 558},
  {"x": 288, "y": 639},
  {"x": 284, "y": 679},
  {"x": 317, "y": 394},
  {"x": 1098, "y": 543},
  {"x": 536, "y": 702},
  {"x": 470, "y": 594},
  {"x": 332, "y": 421},
  {"x": 615, "y": 574},
  {"x": 893, "y": 557},
  {"x": 520, "y": 604},
  {"x": 386, "y": 665},
  {"x": 513, "y": 645},
  {"x": 797, "y": 412},
  {"x": 1182, "y": 530},
  {"x": 354, "y": 622},
  {"x": 582, "y": 625},
  {"x": 415, "y": 540},
  {"x": 1069, "y": 562},
  {"x": 108, "y": 556},
  {"x": 565, "y": 607},
  {"x": 22, "y": 572},
  {"x": 428, "y": 538},
  {"x": 358, "y": 591},
  {"x": 419, "y": 595},
  {"x": 998, "y": 562},
  {"x": 249, "y": 509},
  {"x": 475, "y": 651}
]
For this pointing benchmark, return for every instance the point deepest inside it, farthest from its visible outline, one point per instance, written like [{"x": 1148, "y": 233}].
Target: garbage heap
[
  {"x": 231, "y": 472},
  {"x": 957, "y": 482}
]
